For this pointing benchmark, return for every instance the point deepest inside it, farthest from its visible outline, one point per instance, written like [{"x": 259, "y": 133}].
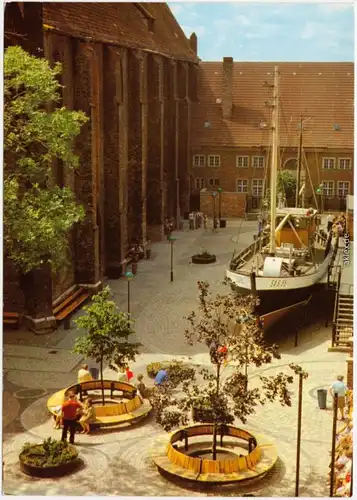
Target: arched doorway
[{"x": 291, "y": 165}]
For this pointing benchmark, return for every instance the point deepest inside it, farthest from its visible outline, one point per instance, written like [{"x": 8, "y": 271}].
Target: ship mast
[
  {"x": 274, "y": 159},
  {"x": 299, "y": 163}
]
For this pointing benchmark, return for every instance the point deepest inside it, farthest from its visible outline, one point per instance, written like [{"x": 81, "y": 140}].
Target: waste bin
[
  {"x": 222, "y": 223},
  {"x": 322, "y": 398},
  {"x": 94, "y": 372}
]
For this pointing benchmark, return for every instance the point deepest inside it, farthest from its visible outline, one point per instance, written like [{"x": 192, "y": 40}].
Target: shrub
[
  {"x": 153, "y": 369},
  {"x": 48, "y": 454},
  {"x": 205, "y": 254},
  {"x": 174, "y": 368}
]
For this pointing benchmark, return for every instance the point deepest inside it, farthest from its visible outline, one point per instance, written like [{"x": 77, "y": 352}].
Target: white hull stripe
[{"x": 278, "y": 283}]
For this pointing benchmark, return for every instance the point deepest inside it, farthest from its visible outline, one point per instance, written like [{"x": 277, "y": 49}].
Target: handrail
[{"x": 247, "y": 251}]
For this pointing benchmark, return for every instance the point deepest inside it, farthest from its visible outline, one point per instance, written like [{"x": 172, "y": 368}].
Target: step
[{"x": 344, "y": 296}]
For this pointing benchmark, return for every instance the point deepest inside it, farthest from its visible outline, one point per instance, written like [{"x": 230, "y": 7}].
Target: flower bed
[
  {"x": 48, "y": 459},
  {"x": 204, "y": 258}
]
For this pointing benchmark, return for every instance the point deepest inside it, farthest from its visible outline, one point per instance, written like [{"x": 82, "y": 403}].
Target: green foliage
[
  {"x": 286, "y": 183},
  {"x": 153, "y": 369},
  {"x": 176, "y": 370},
  {"x": 37, "y": 213},
  {"x": 48, "y": 454},
  {"x": 223, "y": 320},
  {"x": 107, "y": 332},
  {"x": 206, "y": 254}
]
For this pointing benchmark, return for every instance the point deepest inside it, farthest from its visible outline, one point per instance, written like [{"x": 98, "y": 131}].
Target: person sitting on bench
[{"x": 88, "y": 416}]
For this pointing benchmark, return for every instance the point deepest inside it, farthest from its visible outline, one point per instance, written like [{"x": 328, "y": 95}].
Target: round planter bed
[
  {"x": 51, "y": 471},
  {"x": 203, "y": 259}
]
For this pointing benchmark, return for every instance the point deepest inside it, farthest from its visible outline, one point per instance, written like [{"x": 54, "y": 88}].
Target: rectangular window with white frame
[
  {"x": 242, "y": 185},
  {"x": 328, "y": 188},
  {"x": 213, "y": 182},
  {"x": 214, "y": 161},
  {"x": 344, "y": 163},
  {"x": 257, "y": 187},
  {"x": 242, "y": 161},
  {"x": 258, "y": 161},
  {"x": 328, "y": 163},
  {"x": 199, "y": 160},
  {"x": 199, "y": 183},
  {"x": 343, "y": 188}
]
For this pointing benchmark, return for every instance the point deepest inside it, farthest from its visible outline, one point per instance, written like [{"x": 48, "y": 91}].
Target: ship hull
[{"x": 281, "y": 294}]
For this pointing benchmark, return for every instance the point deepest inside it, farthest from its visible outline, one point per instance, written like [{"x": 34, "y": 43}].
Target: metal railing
[{"x": 247, "y": 253}]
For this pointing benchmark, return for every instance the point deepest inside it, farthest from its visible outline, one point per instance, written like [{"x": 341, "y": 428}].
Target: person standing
[
  {"x": 205, "y": 221},
  {"x": 70, "y": 410},
  {"x": 329, "y": 222},
  {"x": 339, "y": 387},
  {"x": 84, "y": 375},
  {"x": 191, "y": 220}
]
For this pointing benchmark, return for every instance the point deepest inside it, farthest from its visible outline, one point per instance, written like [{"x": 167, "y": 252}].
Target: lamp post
[
  {"x": 172, "y": 240},
  {"x": 219, "y": 202},
  {"x": 333, "y": 451},
  {"x": 320, "y": 193},
  {"x": 214, "y": 194},
  {"x": 297, "y": 472},
  {"x": 129, "y": 276},
  {"x": 302, "y": 375}
]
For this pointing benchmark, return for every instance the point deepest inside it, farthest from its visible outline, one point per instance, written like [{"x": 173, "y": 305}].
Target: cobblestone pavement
[{"x": 118, "y": 462}]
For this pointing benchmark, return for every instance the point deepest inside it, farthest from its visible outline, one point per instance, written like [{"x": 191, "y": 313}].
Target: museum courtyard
[{"x": 117, "y": 461}]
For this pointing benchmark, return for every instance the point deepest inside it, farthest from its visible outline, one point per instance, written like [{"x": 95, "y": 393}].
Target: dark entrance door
[{"x": 195, "y": 202}]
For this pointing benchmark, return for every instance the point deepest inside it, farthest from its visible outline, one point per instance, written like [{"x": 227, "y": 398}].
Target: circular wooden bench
[
  {"x": 114, "y": 413},
  {"x": 260, "y": 459}
]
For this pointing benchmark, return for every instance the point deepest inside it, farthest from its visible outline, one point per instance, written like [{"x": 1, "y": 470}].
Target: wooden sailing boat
[{"x": 291, "y": 256}]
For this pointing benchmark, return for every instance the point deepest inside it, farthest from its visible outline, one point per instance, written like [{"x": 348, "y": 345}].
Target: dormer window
[{"x": 148, "y": 18}]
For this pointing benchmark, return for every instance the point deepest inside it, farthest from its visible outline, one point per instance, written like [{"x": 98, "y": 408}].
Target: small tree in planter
[
  {"x": 108, "y": 331},
  {"x": 224, "y": 322}
]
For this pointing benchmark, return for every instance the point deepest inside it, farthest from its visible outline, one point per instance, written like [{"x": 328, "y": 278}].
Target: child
[
  {"x": 58, "y": 417},
  {"x": 88, "y": 416}
]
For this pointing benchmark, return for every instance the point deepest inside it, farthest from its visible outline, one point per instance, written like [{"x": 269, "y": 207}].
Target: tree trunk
[
  {"x": 214, "y": 444},
  {"x": 101, "y": 380}
]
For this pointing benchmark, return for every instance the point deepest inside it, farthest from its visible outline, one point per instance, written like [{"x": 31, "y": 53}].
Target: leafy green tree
[
  {"x": 37, "y": 213},
  {"x": 286, "y": 183},
  {"x": 222, "y": 321},
  {"x": 107, "y": 333}
]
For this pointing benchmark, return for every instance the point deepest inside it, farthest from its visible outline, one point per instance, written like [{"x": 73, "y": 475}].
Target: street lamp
[
  {"x": 214, "y": 194},
  {"x": 220, "y": 202},
  {"x": 172, "y": 239},
  {"x": 129, "y": 276}
]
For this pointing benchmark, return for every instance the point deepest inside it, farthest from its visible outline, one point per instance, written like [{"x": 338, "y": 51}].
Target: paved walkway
[{"x": 118, "y": 462}]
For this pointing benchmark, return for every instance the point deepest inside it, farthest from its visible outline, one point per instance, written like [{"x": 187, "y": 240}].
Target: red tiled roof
[
  {"x": 121, "y": 23},
  {"x": 324, "y": 91}
]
